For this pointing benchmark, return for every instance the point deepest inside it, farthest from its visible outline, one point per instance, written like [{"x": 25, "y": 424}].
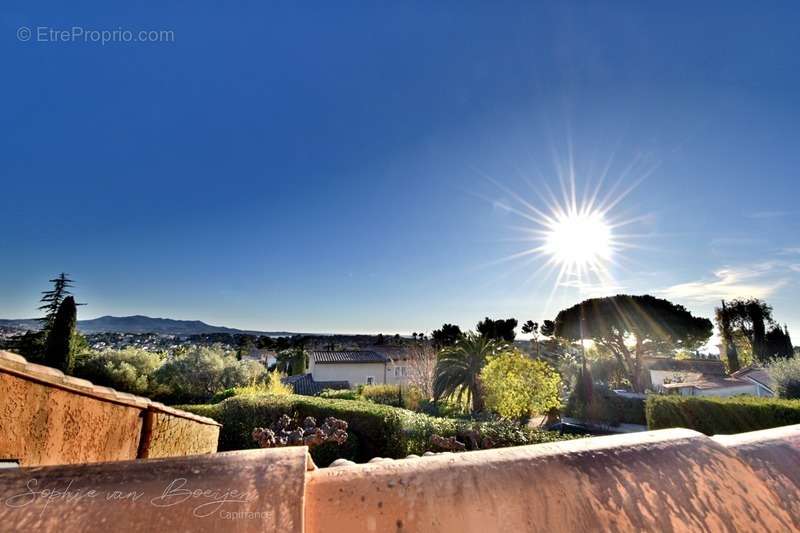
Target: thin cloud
[{"x": 757, "y": 281}]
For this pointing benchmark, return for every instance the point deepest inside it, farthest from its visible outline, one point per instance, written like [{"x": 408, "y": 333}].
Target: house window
[
  {"x": 403, "y": 371},
  {"x": 397, "y": 371},
  {"x": 370, "y": 380}
]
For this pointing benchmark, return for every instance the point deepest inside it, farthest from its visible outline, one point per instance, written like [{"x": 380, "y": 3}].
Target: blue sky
[{"x": 318, "y": 169}]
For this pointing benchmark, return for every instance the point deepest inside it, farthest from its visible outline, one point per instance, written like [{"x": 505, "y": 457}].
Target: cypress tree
[{"x": 59, "y": 351}]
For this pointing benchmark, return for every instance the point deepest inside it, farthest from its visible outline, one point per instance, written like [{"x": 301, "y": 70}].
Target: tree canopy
[
  {"x": 750, "y": 318},
  {"x": 633, "y": 327},
  {"x": 502, "y": 330},
  {"x": 447, "y": 335},
  {"x": 519, "y": 387}
]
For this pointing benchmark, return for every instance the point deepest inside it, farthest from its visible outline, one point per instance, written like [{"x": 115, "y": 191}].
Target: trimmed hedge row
[
  {"x": 374, "y": 430},
  {"x": 340, "y": 394},
  {"x": 607, "y": 407},
  {"x": 720, "y": 416}
]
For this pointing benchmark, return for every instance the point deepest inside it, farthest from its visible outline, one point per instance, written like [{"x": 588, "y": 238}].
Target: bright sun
[{"x": 577, "y": 240}]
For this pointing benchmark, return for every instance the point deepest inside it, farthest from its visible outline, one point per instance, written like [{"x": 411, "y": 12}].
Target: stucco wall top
[
  {"x": 19, "y": 366},
  {"x": 254, "y": 490}
]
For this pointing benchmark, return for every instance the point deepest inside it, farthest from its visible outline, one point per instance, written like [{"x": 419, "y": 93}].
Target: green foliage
[
  {"x": 499, "y": 330},
  {"x": 714, "y": 416},
  {"x": 458, "y": 369},
  {"x": 272, "y": 384},
  {"x": 374, "y": 430},
  {"x": 340, "y": 394},
  {"x": 60, "y": 348},
  {"x": 223, "y": 395},
  {"x": 200, "y": 372},
  {"x": 633, "y": 327},
  {"x": 446, "y": 336},
  {"x": 602, "y": 405},
  {"x": 383, "y": 394},
  {"x": 128, "y": 370},
  {"x": 581, "y": 397},
  {"x": 408, "y": 397},
  {"x": 518, "y": 387},
  {"x": 786, "y": 373},
  {"x": 31, "y": 345},
  {"x": 778, "y": 343},
  {"x": 293, "y": 361}
]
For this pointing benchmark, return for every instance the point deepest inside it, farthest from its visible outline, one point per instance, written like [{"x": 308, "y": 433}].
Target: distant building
[
  {"x": 364, "y": 367},
  {"x": 704, "y": 377},
  {"x": 758, "y": 376}
]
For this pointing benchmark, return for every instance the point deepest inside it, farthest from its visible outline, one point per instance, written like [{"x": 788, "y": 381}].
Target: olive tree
[
  {"x": 200, "y": 372},
  {"x": 632, "y": 328}
]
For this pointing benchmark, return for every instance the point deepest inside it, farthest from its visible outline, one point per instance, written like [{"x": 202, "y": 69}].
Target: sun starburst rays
[{"x": 575, "y": 240}]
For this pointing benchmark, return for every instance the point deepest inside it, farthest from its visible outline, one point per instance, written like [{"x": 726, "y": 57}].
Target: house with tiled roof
[
  {"x": 361, "y": 367},
  {"x": 765, "y": 385},
  {"x": 704, "y": 377},
  {"x": 660, "y": 371}
]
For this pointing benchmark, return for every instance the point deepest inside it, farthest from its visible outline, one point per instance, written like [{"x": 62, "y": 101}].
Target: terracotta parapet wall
[
  {"x": 48, "y": 418},
  {"x": 258, "y": 490},
  {"x": 670, "y": 480},
  {"x": 166, "y": 433},
  {"x": 774, "y": 456}
]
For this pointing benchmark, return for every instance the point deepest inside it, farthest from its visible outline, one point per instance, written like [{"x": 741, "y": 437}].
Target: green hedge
[
  {"x": 374, "y": 430},
  {"x": 606, "y": 407},
  {"x": 721, "y": 416},
  {"x": 340, "y": 394},
  {"x": 383, "y": 394}
]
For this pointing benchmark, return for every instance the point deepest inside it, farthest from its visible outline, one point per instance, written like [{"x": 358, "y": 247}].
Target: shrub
[
  {"x": 605, "y": 406},
  {"x": 714, "y": 416},
  {"x": 271, "y": 385},
  {"x": 375, "y": 430},
  {"x": 407, "y": 397},
  {"x": 128, "y": 370},
  {"x": 786, "y": 373},
  {"x": 383, "y": 394},
  {"x": 518, "y": 387},
  {"x": 201, "y": 372},
  {"x": 340, "y": 394}
]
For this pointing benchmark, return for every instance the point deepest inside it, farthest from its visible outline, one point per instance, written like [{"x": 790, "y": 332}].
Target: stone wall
[{"x": 47, "y": 418}]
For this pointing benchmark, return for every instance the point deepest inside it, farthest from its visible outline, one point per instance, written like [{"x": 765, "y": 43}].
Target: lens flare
[
  {"x": 578, "y": 240},
  {"x": 573, "y": 239}
]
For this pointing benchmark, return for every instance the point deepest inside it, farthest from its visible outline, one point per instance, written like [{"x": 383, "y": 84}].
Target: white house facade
[{"x": 355, "y": 367}]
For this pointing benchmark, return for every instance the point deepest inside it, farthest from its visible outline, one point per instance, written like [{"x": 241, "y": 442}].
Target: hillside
[{"x": 140, "y": 324}]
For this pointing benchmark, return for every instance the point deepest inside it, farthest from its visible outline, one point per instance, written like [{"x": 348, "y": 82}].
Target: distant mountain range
[{"x": 140, "y": 324}]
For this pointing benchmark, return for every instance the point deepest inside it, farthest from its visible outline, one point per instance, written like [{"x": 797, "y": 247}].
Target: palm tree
[{"x": 459, "y": 366}]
